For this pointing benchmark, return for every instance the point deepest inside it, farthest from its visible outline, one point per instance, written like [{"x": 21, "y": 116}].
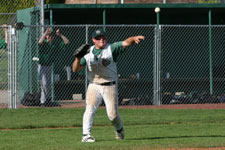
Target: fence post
[
  {"x": 42, "y": 16},
  {"x": 53, "y": 66},
  {"x": 9, "y": 68},
  {"x": 157, "y": 67},
  {"x": 86, "y": 78},
  {"x": 12, "y": 68},
  {"x": 210, "y": 53}
]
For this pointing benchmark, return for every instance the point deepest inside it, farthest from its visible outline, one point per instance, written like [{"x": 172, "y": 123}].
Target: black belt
[{"x": 108, "y": 83}]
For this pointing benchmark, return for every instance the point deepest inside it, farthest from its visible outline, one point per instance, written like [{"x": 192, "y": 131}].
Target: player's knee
[
  {"x": 112, "y": 116},
  {"x": 90, "y": 109}
]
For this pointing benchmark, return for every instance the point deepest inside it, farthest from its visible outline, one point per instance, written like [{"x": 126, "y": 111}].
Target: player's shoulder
[
  {"x": 83, "y": 61},
  {"x": 87, "y": 55},
  {"x": 119, "y": 43},
  {"x": 116, "y": 44}
]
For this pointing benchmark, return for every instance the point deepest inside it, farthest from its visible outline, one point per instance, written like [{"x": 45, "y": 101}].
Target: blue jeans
[{"x": 45, "y": 82}]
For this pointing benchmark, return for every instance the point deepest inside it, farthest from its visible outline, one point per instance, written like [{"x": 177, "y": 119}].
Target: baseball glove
[{"x": 82, "y": 50}]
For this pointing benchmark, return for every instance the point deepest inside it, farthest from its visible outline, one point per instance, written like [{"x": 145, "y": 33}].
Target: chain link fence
[
  {"x": 8, "y": 10},
  {"x": 8, "y": 17},
  {"x": 192, "y": 65},
  {"x": 67, "y": 87},
  {"x": 8, "y": 63},
  {"x": 3, "y": 68}
]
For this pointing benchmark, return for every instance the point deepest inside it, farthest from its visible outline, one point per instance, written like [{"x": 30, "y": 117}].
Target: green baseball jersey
[
  {"x": 48, "y": 51},
  {"x": 3, "y": 45},
  {"x": 116, "y": 48}
]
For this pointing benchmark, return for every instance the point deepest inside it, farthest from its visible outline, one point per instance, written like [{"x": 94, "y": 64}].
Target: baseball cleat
[
  {"x": 120, "y": 134},
  {"x": 88, "y": 138}
]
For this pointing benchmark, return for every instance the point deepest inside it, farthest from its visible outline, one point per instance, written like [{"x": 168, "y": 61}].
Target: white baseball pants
[{"x": 94, "y": 95}]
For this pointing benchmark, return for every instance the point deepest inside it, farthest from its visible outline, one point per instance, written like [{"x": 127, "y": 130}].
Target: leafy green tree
[
  {"x": 11, "y": 6},
  {"x": 8, "y": 9}
]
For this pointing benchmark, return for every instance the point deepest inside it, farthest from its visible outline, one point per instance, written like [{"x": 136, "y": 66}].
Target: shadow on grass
[
  {"x": 176, "y": 137},
  {"x": 159, "y": 138}
]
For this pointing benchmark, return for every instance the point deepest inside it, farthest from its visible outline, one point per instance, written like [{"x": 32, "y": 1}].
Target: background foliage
[{"x": 10, "y": 6}]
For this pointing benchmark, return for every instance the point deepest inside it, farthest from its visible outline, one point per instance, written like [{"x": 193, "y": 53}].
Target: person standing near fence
[
  {"x": 4, "y": 42},
  {"x": 101, "y": 62},
  {"x": 49, "y": 45}
]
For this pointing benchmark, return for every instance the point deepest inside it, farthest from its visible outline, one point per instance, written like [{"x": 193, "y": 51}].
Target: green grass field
[{"x": 60, "y": 129}]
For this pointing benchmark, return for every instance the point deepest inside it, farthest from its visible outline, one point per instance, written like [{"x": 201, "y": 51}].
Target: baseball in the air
[
  {"x": 157, "y": 10},
  {"x": 35, "y": 59}
]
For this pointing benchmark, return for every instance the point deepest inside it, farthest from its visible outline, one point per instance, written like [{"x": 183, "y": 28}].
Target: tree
[{"x": 11, "y": 6}]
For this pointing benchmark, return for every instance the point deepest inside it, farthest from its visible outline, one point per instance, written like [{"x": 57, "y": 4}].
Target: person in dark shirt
[
  {"x": 4, "y": 42},
  {"x": 49, "y": 44}
]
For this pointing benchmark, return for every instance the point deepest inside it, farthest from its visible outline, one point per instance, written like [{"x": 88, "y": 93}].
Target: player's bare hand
[
  {"x": 48, "y": 31},
  {"x": 138, "y": 38},
  {"x": 58, "y": 32},
  {"x": 5, "y": 27},
  {"x": 131, "y": 40}
]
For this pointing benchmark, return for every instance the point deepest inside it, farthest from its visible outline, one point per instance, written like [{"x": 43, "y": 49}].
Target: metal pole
[
  {"x": 12, "y": 72},
  {"x": 12, "y": 68},
  {"x": 157, "y": 65},
  {"x": 51, "y": 17},
  {"x": 30, "y": 74},
  {"x": 15, "y": 35},
  {"x": 9, "y": 68},
  {"x": 42, "y": 16},
  {"x": 210, "y": 53},
  {"x": 157, "y": 20},
  {"x": 38, "y": 33},
  {"x": 53, "y": 66},
  {"x": 164, "y": 1},
  {"x": 104, "y": 17},
  {"x": 86, "y": 77}
]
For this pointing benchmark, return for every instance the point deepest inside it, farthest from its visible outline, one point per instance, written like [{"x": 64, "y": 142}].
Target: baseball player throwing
[{"x": 102, "y": 75}]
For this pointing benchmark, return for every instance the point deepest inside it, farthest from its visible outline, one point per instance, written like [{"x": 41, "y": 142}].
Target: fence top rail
[
  {"x": 145, "y": 5},
  {"x": 90, "y": 25},
  {"x": 7, "y": 13},
  {"x": 165, "y": 25},
  {"x": 122, "y": 25}
]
